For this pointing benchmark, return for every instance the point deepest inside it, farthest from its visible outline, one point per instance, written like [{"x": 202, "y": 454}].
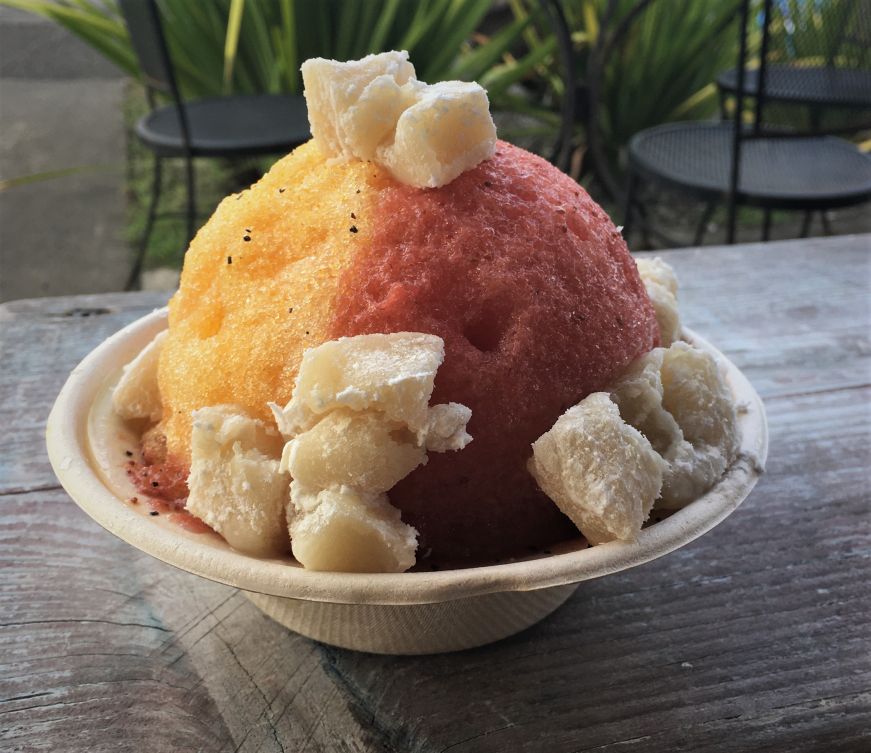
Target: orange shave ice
[{"x": 512, "y": 264}]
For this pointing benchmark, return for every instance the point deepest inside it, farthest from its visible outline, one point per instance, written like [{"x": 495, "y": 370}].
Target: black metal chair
[
  {"x": 561, "y": 154},
  {"x": 232, "y": 126},
  {"x": 841, "y": 85},
  {"x": 554, "y": 142},
  {"x": 748, "y": 165}
]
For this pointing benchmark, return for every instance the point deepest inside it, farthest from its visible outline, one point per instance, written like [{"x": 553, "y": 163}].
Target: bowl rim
[{"x": 74, "y": 464}]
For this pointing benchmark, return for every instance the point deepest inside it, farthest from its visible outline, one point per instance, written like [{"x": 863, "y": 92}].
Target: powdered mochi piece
[
  {"x": 660, "y": 282},
  {"x": 393, "y": 374},
  {"x": 638, "y": 395},
  {"x": 137, "y": 394},
  {"x": 343, "y": 530},
  {"x": 667, "y": 314},
  {"x": 358, "y": 423},
  {"x": 375, "y": 109},
  {"x": 446, "y": 132},
  {"x": 677, "y": 398},
  {"x": 601, "y": 472},
  {"x": 658, "y": 271},
  {"x": 347, "y": 448},
  {"x": 446, "y": 428},
  {"x": 235, "y": 484},
  {"x": 354, "y": 106},
  {"x": 694, "y": 392}
]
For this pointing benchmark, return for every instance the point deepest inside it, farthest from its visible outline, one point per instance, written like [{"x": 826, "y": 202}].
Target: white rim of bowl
[{"x": 70, "y": 455}]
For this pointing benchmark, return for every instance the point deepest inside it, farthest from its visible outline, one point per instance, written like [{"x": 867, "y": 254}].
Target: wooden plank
[
  {"x": 41, "y": 341},
  {"x": 103, "y": 648},
  {"x": 794, "y": 316},
  {"x": 754, "y": 637}
]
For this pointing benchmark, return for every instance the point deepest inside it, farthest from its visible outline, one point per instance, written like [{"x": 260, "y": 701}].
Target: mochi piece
[
  {"x": 393, "y": 374},
  {"x": 348, "y": 448},
  {"x": 354, "y": 106},
  {"x": 658, "y": 271},
  {"x": 343, "y": 530},
  {"x": 445, "y": 428},
  {"x": 235, "y": 484},
  {"x": 446, "y": 132},
  {"x": 358, "y": 423},
  {"x": 694, "y": 392},
  {"x": 677, "y": 398},
  {"x": 375, "y": 109},
  {"x": 667, "y": 314},
  {"x": 137, "y": 394},
  {"x": 660, "y": 282},
  {"x": 638, "y": 395},
  {"x": 601, "y": 472},
  {"x": 700, "y": 401}
]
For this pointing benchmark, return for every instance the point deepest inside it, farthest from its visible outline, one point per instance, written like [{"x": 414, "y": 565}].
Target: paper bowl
[{"x": 390, "y": 613}]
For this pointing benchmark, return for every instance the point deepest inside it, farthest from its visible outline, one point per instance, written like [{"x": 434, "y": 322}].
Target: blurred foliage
[
  {"x": 256, "y": 46},
  {"x": 617, "y": 43},
  {"x": 687, "y": 43},
  {"x": 821, "y": 32},
  {"x": 248, "y": 46},
  {"x": 638, "y": 63}
]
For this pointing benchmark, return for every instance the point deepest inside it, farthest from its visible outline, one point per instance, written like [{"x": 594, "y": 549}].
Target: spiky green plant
[
  {"x": 657, "y": 61},
  {"x": 256, "y": 46}
]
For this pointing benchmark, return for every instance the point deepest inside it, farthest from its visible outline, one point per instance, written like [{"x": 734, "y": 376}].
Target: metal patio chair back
[
  {"x": 229, "y": 126},
  {"x": 755, "y": 163},
  {"x": 817, "y": 76}
]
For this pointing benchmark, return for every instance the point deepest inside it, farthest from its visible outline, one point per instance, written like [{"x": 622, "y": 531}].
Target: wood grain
[
  {"x": 42, "y": 340},
  {"x": 753, "y": 638}
]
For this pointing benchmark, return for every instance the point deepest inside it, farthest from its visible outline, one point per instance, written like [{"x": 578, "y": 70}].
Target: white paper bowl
[{"x": 403, "y": 613}]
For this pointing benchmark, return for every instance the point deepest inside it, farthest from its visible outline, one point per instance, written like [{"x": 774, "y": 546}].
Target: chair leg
[
  {"x": 627, "y": 206},
  {"x": 646, "y": 232},
  {"x": 731, "y": 221},
  {"x": 827, "y": 225},
  {"x": 192, "y": 205},
  {"x": 702, "y": 227},
  {"x": 766, "y": 225},
  {"x": 133, "y": 280},
  {"x": 816, "y": 117},
  {"x": 806, "y": 223}
]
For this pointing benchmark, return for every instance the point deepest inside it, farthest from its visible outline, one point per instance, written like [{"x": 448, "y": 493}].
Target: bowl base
[{"x": 415, "y": 628}]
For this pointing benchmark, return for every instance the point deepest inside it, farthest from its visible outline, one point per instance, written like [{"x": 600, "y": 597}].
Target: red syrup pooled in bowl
[{"x": 164, "y": 491}]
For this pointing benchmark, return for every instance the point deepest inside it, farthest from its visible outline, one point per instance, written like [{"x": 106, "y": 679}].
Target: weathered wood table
[{"x": 755, "y": 637}]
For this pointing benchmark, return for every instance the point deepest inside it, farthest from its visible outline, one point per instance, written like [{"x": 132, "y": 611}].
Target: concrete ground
[{"x": 60, "y": 107}]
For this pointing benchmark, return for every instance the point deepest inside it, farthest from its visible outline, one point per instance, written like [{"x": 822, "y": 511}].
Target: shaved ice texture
[
  {"x": 539, "y": 303},
  {"x": 525, "y": 278}
]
